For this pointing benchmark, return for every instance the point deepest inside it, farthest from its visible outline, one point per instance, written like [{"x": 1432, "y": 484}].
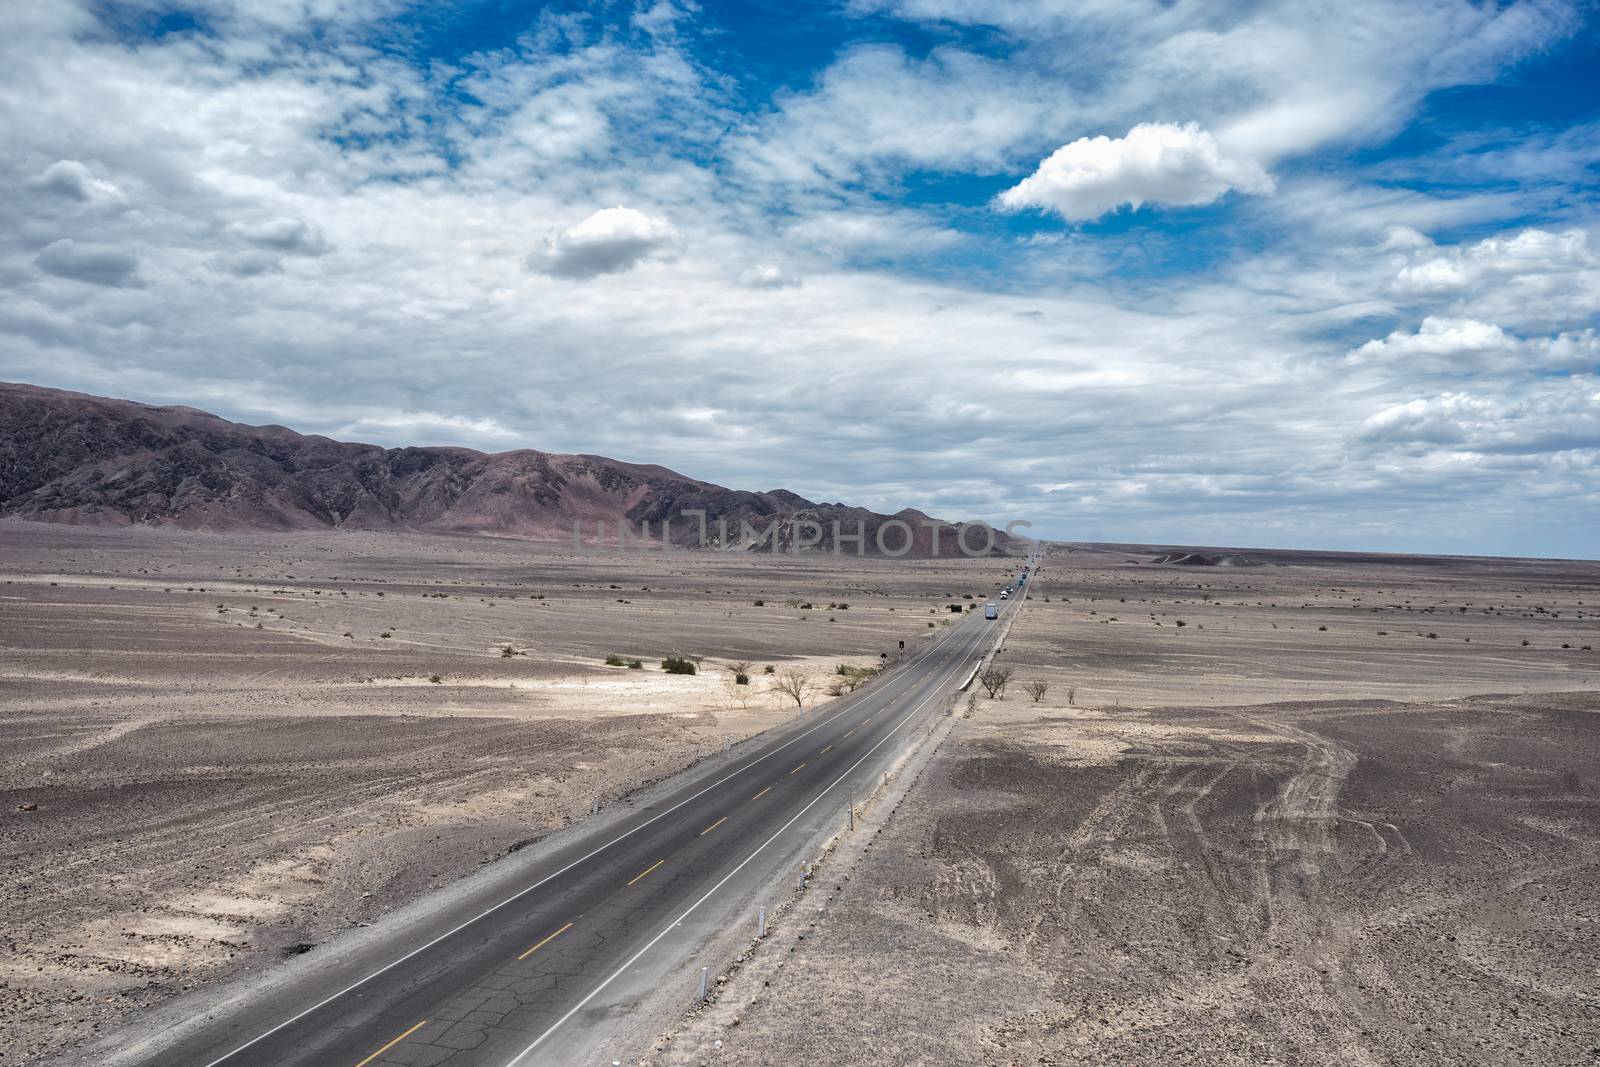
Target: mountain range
[{"x": 74, "y": 458}]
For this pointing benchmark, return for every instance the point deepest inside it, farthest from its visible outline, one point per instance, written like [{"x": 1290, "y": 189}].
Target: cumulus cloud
[
  {"x": 73, "y": 180},
  {"x": 91, "y": 263},
  {"x": 1559, "y": 417},
  {"x": 1530, "y": 252},
  {"x": 1156, "y": 163},
  {"x": 292, "y": 237},
  {"x": 1533, "y": 279},
  {"x": 1442, "y": 343},
  {"x": 610, "y": 241},
  {"x": 768, "y": 276}
]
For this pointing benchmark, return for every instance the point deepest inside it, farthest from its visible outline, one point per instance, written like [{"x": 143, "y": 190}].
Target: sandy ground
[
  {"x": 234, "y": 747},
  {"x": 1248, "y": 840}
]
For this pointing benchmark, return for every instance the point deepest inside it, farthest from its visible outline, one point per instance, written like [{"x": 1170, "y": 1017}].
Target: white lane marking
[
  {"x": 517, "y": 1059},
  {"x": 587, "y": 856}
]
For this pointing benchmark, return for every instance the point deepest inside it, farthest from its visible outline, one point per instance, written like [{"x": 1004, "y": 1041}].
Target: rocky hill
[{"x": 74, "y": 458}]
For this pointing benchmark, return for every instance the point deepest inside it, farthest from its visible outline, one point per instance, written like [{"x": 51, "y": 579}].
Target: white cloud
[
  {"x": 289, "y": 236},
  {"x": 1531, "y": 252},
  {"x": 876, "y": 106},
  {"x": 1537, "y": 280},
  {"x": 91, "y": 263},
  {"x": 871, "y": 234},
  {"x": 768, "y": 276},
  {"x": 1466, "y": 345},
  {"x": 1156, "y": 163},
  {"x": 1159, "y": 404},
  {"x": 611, "y": 240},
  {"x": 73, "y": 180},
  {"x": 1561, "y": 416}
]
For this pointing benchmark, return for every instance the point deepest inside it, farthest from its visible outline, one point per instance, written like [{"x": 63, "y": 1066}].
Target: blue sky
[{"x": 1268, "y": 273}]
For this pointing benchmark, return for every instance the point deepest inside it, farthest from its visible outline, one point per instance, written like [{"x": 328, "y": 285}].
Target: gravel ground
[
  {"x": 217, "y": 776},
  {"x": 1325, "y": 877}
]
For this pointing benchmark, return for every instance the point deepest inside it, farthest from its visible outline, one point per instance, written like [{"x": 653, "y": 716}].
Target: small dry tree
[
  {"x": 794, "y": 684},
  {"x": 994, "y": 680},
  {"x": 1036, "y": 689},
  {"x": 739, "y": 694},
  {"x": 741, "y": 671}
]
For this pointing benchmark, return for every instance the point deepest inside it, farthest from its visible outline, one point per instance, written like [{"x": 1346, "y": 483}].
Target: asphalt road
[{"x": 522, "y": 976}]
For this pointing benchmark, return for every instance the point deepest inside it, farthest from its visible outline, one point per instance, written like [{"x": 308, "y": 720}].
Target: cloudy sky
[{"x": 1250, "y": 273}]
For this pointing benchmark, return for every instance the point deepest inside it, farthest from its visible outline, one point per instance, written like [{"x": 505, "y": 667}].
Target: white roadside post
[
  {"x": 761, "y": 921},
  {"x": 705, "y": 974}
]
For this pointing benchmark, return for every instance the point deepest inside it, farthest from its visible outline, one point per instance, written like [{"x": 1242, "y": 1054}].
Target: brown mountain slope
[{"x": 74, "y": 458}]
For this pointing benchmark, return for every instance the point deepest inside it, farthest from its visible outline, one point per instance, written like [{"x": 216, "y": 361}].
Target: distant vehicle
[
  {"x": 990, "y": 611},
  {"x": 1005, "y": 594}
]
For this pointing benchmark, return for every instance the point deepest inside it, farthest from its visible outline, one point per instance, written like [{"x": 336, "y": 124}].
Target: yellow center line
[
  {"x": 797, "y": 769},
  {"x": 392, "y": 1044},
  {"x": 825, "y": 751},
  {"x": 642, "y": 873},
  {"x": 763, "y": 793},
  {"x": 545, "y": 942},
  {"x": 713, "y": 826}
]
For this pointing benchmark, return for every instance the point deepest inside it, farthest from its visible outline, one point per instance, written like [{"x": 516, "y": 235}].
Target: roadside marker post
[
  {"x": 761, "y": 921},
  {"x": 705, "y": 973}
]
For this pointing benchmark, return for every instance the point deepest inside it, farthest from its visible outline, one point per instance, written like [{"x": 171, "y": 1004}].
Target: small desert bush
[
  {"x": 614, "y": 660},
  {"x": 678, "y": 665}
]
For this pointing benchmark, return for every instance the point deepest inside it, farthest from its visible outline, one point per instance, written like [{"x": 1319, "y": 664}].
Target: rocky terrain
[
  {"x": 72, "y": 458},
  {"x": 1347, "y": 812}
]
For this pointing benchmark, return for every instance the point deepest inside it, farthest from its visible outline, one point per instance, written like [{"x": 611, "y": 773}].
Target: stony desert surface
[
  {"x": 216, "y": 750},
  {"x": 1348, "y": 812}
]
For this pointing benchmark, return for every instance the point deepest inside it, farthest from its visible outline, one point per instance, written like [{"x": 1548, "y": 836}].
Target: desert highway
[{"x": 535, "y": 970}]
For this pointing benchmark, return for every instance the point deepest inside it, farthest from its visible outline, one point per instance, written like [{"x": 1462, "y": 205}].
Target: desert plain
[
  {"x": 1304, "y": 808},
  {"x": 217, "y": 750},
  {"x": 1322, "y": 809}
]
